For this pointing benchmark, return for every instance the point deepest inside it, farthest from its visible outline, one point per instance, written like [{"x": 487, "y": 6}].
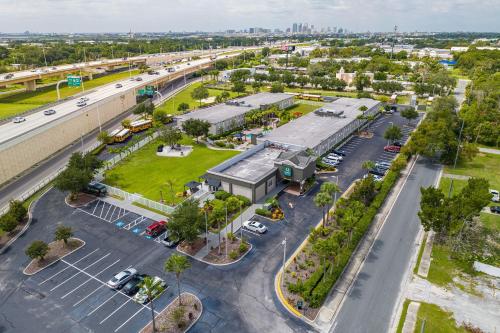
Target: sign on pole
[
  {"x": 287, "y": 171},
  {"x": 74, "y": 81}
]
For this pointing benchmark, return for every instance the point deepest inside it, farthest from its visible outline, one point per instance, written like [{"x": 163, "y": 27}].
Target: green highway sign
[
  {"x": 74, "y": 81},
  {"x": 141, "y": 92}
]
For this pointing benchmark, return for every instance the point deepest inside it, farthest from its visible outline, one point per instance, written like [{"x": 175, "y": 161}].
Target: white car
[
  {"x": 18, "y": 120},
  {"x": 335, "y": 156},
  {"x": 85, "y": 99},
  {"x": 120, "y": 279},
  {"x": 496, "y": 196},
  {"x": 81, "y": 103},
  {"x": 142, "y": 297},
  {"x": 255, "y": 226},
  {"x": 330, "y": 162}
]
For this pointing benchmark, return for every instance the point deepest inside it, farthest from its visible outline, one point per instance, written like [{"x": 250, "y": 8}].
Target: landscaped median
[
  {"x": 314, "y": 268},
  {"x": 177, "y": 318}
]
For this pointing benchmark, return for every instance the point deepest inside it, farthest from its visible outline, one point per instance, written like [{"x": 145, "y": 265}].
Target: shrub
[
  {"x": 312, "y": 282},
  {"x": 178, "y": 316},
  {"x": 245, "y": 200},
  {"x": 37, "y": 250},
  {"x": 233, "y": 255},
  {"x": 231, "y": 236},
  {"x": 243, "y": 247},
  {"x": 296, "y": 288},
  {"x": 230, "y": 146},
  {"x": 222, "y": 195},
  {"x": 263, "y": 212},
  {"x": 221, "y": 144},
  {"x": 17, "y": 210},
  {"x": 8, "y": 222}
]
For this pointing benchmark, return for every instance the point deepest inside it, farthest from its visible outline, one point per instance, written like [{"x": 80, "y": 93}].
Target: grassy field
[
  {"x": 146, "y": 173},
  {"x": 436, "y": 320},
  {"x": 483, "y": 165},
  {"x": 18, "y": 102},
  {"x": 184, "y": 96},
  {"x": 458, "y": 185}
]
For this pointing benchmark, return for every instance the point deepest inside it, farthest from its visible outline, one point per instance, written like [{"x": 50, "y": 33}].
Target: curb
[
  {"x": 23, "y": 230},
  {"x": 212, "y": 264},
  {"x": 52, "y": 263},
  {"x": 175, "y": 299},
  {"x": 277, "y": 279}
]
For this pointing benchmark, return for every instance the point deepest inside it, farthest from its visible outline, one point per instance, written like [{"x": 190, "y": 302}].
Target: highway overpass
[
  {"x": 29, "y": 77},
  {"x": 25, "y": 144}
]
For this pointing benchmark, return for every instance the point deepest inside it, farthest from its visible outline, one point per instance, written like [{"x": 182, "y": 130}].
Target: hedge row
[{"x": 319, "y": 293}]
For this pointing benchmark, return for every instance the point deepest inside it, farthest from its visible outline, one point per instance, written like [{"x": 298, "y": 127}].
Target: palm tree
[
  {"x": 367, "y": 165},
  {"x": 330, "y": 188},
  {"x": 177, "y": 264},
  {"x": 170, "y": 183},
  {"x": 323, "y": 199},
  {"x": 151, "y": 288},
  {"x": 348, "y": 222}
]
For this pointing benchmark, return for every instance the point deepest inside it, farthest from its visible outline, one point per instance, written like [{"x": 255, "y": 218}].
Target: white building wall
[{"x": 242, "y": 190}]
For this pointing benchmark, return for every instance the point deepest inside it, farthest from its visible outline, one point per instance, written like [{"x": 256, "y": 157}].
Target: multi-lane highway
[{"x": 11, "y": 130}]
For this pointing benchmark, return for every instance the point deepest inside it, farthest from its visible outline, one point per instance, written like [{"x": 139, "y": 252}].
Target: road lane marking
[{"x": 66, "y": 268}]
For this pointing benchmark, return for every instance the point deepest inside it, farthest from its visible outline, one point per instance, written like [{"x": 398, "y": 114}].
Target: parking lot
[
  {"x": 78, "y": 284},
  {"x": 120, "y": 217},
  {"x": 360, "y": 149}
]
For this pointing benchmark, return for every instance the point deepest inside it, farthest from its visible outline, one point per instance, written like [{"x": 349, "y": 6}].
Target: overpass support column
[
  {"x": 90, "y": 75},
  {"x": 30, "y": 85},
  {"x": 110, "y": 68}
]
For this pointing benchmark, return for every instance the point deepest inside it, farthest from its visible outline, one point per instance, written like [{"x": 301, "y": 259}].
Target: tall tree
[
  {"x": 323, "y": 200},
  {"x": 186, "y": 220},
  {"x": 200, "y": 93},
  {"x": 410, "y": 114},
  {"x": 196, "y": 127},
  {"x": 177, "y": 264},
  {"x": 152, "y": 288},
  {"x": 170, "y": 135},
  {"x": 63, "y": 233},
  {"x": 393, "y": 133}
]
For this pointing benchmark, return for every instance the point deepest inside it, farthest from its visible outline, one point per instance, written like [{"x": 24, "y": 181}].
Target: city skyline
[{"x": 188, "y": 15}]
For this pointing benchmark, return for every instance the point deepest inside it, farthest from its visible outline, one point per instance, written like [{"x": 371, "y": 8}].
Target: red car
[
  {"x": 392, "y": 149},
  {"x": 156, "y": 228}
]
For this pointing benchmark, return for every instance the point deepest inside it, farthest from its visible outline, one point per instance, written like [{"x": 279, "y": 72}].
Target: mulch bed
[
  {"x": 213, "y": 256},
  {"x": 6, "y": 237},
  {"x": 81, "y": 199},
  {"x": 192, "y": 248},
  {"x": 57, "y": 250},
  {"x": 164, "y": 321},
  {"x": 366, "y": 135}
]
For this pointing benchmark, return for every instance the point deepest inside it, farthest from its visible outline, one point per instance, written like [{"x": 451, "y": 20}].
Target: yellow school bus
[
  {"x": 140, "y": 125},
  {"x": 123, "y": 135}
]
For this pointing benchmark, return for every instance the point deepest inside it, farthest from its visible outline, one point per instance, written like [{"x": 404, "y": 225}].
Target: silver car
[
  {"x": 120, "y": 279},
  {"x": 255, "y": 226},
  {"x": 49, "y": 112},
  {"x": 18, "y": 120}
]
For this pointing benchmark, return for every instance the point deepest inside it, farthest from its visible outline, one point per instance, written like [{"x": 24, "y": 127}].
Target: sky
[{"x": 219, "y": 15}]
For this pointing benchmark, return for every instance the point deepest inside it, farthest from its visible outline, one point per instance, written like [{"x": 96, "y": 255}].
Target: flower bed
[
  {"x": 192, "y": 248},
  {"x": 57, "y": 250},
  {"x": 235, "y": 250},
  {"x": 311, "y": 274},
  {"x": 168, "y": 321}
]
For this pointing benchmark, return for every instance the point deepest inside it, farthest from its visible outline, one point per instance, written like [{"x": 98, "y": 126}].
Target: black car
[
  {"x": 339, "y": 152},
  {"x": 397, "y": 143},
  {"x": 377, "y": 171},
  {"x": 495, "y": 209},
  {"x": 159, "y": 149},
  {"x": 133, "y": 285}
]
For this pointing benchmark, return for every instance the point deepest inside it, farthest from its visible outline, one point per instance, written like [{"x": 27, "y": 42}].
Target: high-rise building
[
  {"x": 299, "y": 27},
  {"x": 294, "y": 28}
]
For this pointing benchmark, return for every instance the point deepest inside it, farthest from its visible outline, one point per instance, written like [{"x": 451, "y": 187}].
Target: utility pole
[
  {"x": 283, "y": 242},
  {"x": 393, "y": 40},
  {"x": 456, "y": 157},
  {"x": 44, "y": 57}
]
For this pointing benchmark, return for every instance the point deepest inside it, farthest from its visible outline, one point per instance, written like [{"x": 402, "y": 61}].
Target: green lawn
[
  {"x": 146, "y": 173},
  {"x": 403, "y": 316},
  {"x": 483, "y": 165},
  {"x": 436, "y": 320},
  {"x": 458, "y": 185},
  {"x": 184, "y": 96},
  {"x": 456, "y": 72},
  {"x": 303, "y": 107},
  {"x": 17, "y": 102}
]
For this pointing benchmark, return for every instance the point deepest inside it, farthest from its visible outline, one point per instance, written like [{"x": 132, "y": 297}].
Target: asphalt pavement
[{"x": 369, "y": 304}]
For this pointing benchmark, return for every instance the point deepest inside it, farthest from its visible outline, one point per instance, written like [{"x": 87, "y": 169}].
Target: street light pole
[
  {"x": 206, "y": 227},
  {"x": 226, "y": 235},
  {"x": 456, "y": 157}
]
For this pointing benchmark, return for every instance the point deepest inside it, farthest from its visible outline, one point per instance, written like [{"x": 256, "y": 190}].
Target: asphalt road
[
  {"x": 369, "y": 305},
  {"x": 36, "y": 174},
  {"x": 236, "y": 298}
]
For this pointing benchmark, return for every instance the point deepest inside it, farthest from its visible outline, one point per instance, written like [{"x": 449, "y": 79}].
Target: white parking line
[
  {"x": 95, "y": 207},
  {"x": 95, "y": 262},
  {"x": 83, "y": 299},
  {"x": 112, "y": 313},
  {"x": 53, "y": 276},
  {"x": 102, "y": 209},
  {"x": 93, "y": 277},
  {"x": 119, "y": 217},
  {"x": 106, "y": 301},
  {"x": 129, "y": 319},
  {"x": 75, "y": 289},
  {"x": 107, "y": 213}
]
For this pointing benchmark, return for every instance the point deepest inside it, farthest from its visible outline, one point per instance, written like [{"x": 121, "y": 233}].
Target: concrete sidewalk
[
  {"x": 490, "y": 151},
  {"x": 134, "y": 209}
]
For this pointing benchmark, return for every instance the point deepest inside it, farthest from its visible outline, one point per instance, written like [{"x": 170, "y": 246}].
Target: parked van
[{"x": 96, "y": 189}]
